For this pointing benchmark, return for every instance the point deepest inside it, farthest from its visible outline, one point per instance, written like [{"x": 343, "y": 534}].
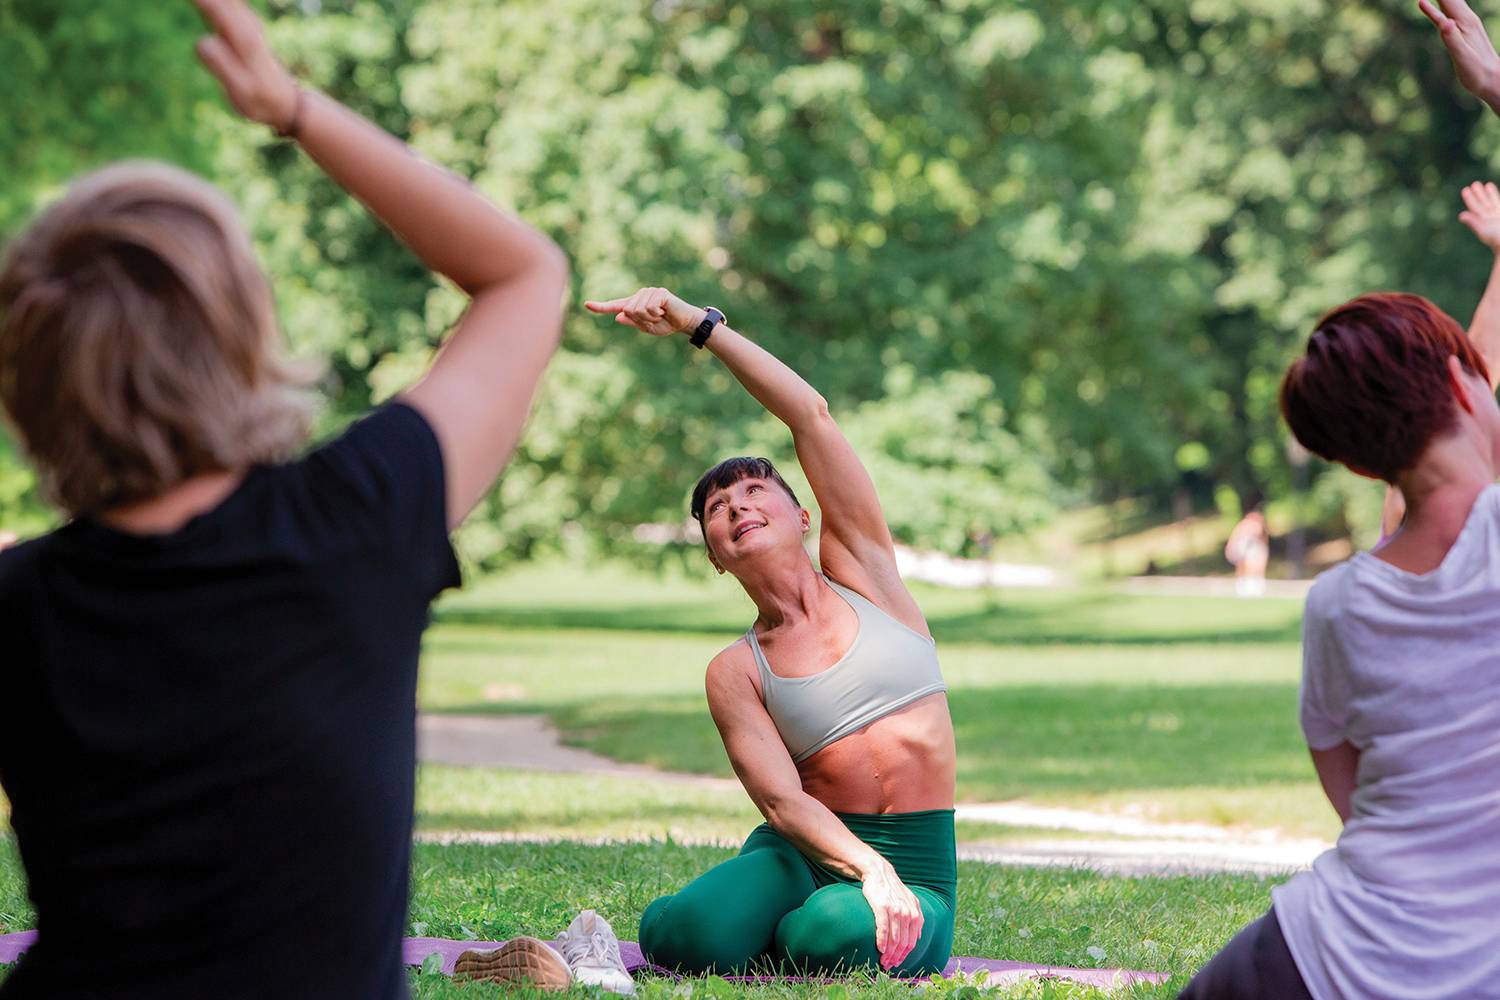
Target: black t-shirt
[{"x": 208, "y": 737}]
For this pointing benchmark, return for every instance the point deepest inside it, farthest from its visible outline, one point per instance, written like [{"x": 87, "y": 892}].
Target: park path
[{"x": 1116, "y": 844}]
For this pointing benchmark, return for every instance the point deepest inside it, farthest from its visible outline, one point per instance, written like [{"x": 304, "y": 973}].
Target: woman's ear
[
  {"x": 713, "y": 559},
  {"x": 806, "y": 521}
]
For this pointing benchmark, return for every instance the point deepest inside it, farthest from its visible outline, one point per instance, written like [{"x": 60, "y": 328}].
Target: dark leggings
[
  {"x": 1254, "y": 965},
  {"x": 770, "y": 906}
]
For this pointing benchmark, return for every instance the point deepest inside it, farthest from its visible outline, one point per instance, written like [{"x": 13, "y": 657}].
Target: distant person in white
[
  {"x": 1249, "y": 549},
  {"x": 1401, "y": 660}
]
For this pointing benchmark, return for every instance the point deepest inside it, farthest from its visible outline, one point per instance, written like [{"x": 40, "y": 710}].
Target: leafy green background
[{"x": 1034, "y": 255}]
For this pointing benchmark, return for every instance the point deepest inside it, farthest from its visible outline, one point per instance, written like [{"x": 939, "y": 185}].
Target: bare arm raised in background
[
  {"x": 1469, "y": 45},
  {"x": 477, "y": 393},
  {"x": 1482, "y": 215}
]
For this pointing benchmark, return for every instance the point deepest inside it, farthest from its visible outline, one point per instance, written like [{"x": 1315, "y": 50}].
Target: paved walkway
[
  {"x": 527, "y": 743},
  {"x": 1122, "y": 845}
]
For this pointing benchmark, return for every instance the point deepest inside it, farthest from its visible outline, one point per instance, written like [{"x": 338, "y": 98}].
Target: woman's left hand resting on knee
[{"x": 755, "y": 748}]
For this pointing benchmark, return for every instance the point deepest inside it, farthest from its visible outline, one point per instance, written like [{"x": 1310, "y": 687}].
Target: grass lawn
[
  {"x": 588, "y": 806},
  {"x": 1175, "y": 707},
  {"x": 1049, "y": 916},
  {"x": 1178, "y": 708}
]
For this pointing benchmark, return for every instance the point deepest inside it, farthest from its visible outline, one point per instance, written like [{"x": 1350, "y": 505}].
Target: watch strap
[{"x": 711, "y": 319}]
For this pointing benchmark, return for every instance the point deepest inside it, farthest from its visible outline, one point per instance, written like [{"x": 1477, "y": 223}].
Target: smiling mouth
[{"x": 745, "y": 529}]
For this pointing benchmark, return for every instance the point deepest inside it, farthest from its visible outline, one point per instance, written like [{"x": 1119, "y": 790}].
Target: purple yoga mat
[
  {"x": 11, "y": 945},
  {"x": 414, "y": 951}
]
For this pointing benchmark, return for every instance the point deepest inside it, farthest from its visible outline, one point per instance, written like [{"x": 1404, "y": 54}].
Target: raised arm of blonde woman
[{"x": 478, "y": 391}]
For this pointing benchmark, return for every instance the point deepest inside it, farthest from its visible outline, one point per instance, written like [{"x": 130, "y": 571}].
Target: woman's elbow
[
  {"x": 813, "y": 412},
  {"x": 777, "y": 809},
  {"x": 553, "y": 262}
]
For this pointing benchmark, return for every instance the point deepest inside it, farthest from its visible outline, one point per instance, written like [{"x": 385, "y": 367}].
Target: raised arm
[
  {"x": 477, "y": 393},
  {"x": 766, "y": 770},
  {"x": 1482, "y": 215},
  {"x": 855, "y": 544},
  {"x": 1469, "y": 46}
]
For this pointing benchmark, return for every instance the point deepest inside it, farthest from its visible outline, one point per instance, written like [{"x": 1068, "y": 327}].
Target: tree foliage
[{"x": 1030, "y": 253}]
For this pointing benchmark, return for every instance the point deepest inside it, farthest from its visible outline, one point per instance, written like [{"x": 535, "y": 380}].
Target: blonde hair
[{"x": 138, "y": 341}]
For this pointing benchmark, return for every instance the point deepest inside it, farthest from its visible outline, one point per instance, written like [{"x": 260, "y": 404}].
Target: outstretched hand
[
  {"x": 651, "y": 310},
  {"x": 256, "y": 83},
  {"x": 1482, "y": 213},
  {"x": 1469, "y": 46}
]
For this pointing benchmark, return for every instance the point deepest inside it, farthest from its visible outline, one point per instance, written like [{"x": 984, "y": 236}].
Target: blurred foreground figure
[
  {"x": 1400, "y": 699},
  {"x": 207, "y": 719}
]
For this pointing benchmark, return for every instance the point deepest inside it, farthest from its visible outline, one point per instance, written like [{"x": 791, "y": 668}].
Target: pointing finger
[
  {"x": 1433, "y": 14},
  {"x": 215, "y": 53}
]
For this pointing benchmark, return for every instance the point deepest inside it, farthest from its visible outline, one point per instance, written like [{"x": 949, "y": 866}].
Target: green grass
[
  {"x": 1045, "y": 916},
  {"x": 463, "y": 800},
  {"x": 1172, "y": 707},
  {"x": 1176, "y": 707}
]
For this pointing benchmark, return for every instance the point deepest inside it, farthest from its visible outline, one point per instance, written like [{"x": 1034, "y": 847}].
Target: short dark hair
[
  {"x": 1372, "y": 390},
  {"x": 729, "y": 472}
]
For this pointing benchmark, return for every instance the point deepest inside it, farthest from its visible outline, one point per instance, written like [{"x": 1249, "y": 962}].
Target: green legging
[{"x": 771, "y": 906}]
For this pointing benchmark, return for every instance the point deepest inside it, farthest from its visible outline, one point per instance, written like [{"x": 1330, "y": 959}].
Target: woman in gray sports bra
[{"x": 832, "y": 708}]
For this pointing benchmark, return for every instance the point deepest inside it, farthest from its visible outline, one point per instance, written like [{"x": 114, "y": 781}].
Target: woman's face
[{"x": 750, "y": 517}]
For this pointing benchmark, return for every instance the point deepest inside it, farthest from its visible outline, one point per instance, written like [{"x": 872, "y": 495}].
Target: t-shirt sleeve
[
  {"x": 385, "y": 475},
  {"x": 1324, "y": 697}
]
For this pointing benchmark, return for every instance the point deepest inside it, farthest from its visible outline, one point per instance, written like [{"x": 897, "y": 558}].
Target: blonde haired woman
[{"x": 207, "y": 727}]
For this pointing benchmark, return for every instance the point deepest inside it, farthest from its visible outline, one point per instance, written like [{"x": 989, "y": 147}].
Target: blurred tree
[
  {"x": 1303, "y": 153},
  {"x": 90, "y": 82},
  {"x": 1029, "y": 254}
]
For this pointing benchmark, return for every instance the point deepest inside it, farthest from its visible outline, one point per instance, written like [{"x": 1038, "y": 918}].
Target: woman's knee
[
  {"x": 834, "y": 929},
  {"x": 693, "y": 935}
]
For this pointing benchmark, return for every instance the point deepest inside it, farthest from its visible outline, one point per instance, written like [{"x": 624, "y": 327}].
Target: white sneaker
[{"x": 592, "y": 952}]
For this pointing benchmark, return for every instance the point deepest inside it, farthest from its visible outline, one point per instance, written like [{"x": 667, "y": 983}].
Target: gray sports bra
[{"x": 886, "y": 668}]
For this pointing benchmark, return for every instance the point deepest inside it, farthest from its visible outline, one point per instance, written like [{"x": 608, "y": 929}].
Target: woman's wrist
[
  {"x": 289, "y": 125},
  {"x": 1489, "y": 93},
  {"x": 872, "y": 865},
  {"x": 697, "y": 315}
]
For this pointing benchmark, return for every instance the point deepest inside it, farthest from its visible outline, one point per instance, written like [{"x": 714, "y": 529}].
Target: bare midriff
[{"x": 902, "y": 762}]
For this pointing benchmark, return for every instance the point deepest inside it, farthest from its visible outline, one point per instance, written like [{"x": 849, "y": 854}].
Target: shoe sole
[{"x": 519, "y": 959}]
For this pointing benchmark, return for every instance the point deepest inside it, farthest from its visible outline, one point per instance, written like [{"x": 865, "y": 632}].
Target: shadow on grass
[
  {"x": 1005, "y": 620},
  {"x": 1094, "y": 738},
  {"x": 647, "y": 816},
  {"x": 1020, "y": 741},
  {"x": 1011, "y": 626},
  {"x": 634, "y": 618}
]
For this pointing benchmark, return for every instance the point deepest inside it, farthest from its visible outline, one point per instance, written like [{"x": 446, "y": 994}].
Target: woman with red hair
[
  {"x": 1400, "y": 700},
  {"x": 1482, "y": 215}
]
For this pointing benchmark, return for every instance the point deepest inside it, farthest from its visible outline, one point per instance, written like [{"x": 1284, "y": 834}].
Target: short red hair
[{"x": 1373, "y": 389}]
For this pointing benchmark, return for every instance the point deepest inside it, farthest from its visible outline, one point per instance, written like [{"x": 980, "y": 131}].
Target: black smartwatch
[{"x": 711, "y": 320}]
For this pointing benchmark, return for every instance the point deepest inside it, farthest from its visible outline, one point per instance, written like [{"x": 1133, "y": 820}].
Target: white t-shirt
[{"x": 1407, "y": 669}]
